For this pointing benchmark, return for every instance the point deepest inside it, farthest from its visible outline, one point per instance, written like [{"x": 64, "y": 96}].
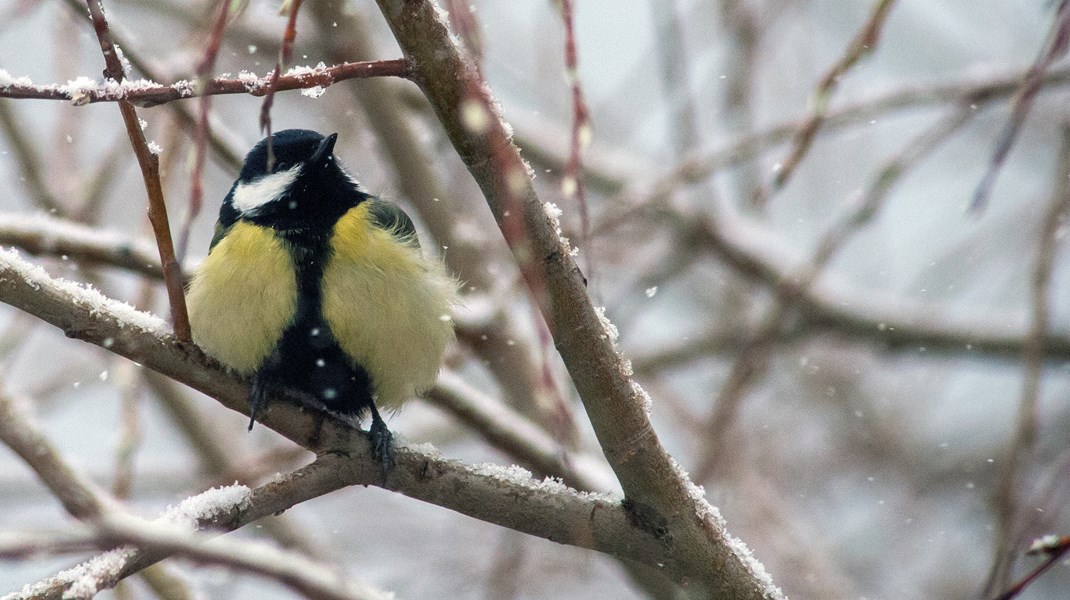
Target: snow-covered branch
[
  {"x": 79, "y": 495},
  {"x": 509, "y": 497},
  {"x": 48, "y": 236},
  {"x": 132, "y": 539},
  {"x": 144, "y": 93}
]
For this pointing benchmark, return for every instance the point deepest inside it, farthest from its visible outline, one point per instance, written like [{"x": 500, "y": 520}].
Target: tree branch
[
  {"x": 145, "y": 93},
  {"x": 150, "y": 171},
  {"x": 862, "y": 45},
  {"x": 659, "y": 494},
  {"x": 294, "y": 570},
  {"x": 81, "y": 498},
  {"x": 506, "y": 497}
]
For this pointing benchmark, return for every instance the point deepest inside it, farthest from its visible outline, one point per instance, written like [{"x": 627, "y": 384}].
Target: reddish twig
[
  {"x": 200, "y": 138},
  {"x": 572, "y": 185},
  {"x": 285, "y": 54},
  {"x": 149, "y": 93},
  {"x": 464, "y": 23},
  {"x": 1055, "y": 547},
  {"x": 150, "y": 171}
]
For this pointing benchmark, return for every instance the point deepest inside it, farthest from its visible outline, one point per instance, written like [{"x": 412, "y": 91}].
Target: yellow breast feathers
[
  {"x": 243, "y": 297},
  {"x": 387, "y": 305}
]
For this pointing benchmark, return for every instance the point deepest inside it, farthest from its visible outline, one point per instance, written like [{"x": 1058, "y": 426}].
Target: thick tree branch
[
  {"x": 660, "y": 495},
  {"x": 47, "y": 236},
  {"x": 506, "y": 497}
]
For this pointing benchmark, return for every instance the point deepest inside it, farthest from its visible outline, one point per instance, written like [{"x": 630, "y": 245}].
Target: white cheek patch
[{"x": 248, "y": 197}]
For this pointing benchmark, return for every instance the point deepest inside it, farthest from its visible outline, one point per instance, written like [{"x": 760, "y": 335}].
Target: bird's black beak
[{"x": 325, "y": 152}]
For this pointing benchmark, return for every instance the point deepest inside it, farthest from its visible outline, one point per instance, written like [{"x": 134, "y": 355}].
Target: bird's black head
[
  {"x": 304, "y": 189},
  {"x": 290, "y": 147}
]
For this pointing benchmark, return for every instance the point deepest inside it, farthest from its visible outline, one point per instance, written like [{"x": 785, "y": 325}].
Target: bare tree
[{"x": 815, "y": 256}]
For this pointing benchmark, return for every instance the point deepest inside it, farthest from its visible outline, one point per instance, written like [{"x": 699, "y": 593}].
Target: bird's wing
[
  {"x": 220, "y": 232},
  {"x": 228, "y": 215},
  {"x": 388, "y": 216}
]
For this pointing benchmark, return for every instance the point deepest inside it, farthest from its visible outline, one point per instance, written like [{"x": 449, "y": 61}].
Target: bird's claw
[
  {"x": 382, "y": 445},
  {"x": 258, "y": 400}
]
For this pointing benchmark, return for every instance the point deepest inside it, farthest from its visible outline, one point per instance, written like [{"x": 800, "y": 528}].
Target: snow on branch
[
  {"x": 544, "y": 508},
  {"x": 144, "y": 93}
]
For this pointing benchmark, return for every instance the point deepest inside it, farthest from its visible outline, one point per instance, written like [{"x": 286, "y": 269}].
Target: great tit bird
[{"x": 313, "y": 284}]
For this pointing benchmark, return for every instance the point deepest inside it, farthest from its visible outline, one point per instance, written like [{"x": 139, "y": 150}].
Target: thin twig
[
  {"x": 655, "y": 190},
  {"x": 862, "y": 45},
  {"x": 611, "y": 169},
  {"x": 1008, "y": 491},
  {"x": 200, "y": 138},
  {"x": 29, "y": 160},
  {"x": 285, "y": 53},
  {"x": 572, "y": 184},
  {"x": 1058, "y": 41},
  {"x": 1055, "y": 549},
  {"x": 754, "y": 356},
  {"x": 150, "y": 170}
]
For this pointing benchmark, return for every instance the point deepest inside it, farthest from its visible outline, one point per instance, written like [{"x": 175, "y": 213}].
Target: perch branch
[{"x": 489, "y": 493}]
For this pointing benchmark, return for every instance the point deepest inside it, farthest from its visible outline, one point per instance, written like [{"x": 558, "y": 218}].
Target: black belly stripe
[{"x": 308, "y": 356}]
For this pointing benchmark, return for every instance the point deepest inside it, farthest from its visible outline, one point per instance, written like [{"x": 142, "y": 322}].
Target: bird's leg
[
  {"x": 258, "y": 399},
  {"x": 382, "y": 443}
]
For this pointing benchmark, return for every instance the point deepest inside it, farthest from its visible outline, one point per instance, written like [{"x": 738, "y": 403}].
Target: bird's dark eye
[{"x": 282, "y": 166}]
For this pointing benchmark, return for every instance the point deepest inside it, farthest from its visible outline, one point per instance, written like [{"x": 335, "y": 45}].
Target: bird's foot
[
  {"x": 258, "y": 399},
  {"x": 382, "y": 444}
]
